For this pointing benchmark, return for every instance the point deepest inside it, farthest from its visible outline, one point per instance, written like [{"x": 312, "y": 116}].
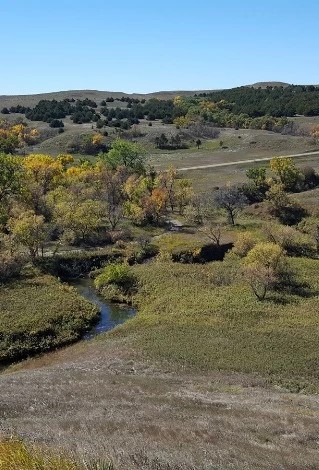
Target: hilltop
[{"x": 96, "y": 95}]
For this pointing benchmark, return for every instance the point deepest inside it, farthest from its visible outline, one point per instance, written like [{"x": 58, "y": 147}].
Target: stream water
[{"x": 111, "y": 314}]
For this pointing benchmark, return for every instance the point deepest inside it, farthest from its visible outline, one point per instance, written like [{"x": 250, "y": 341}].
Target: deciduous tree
[
  {"x": 263, "y": 266},
  {"x": 231, "y": 200}
]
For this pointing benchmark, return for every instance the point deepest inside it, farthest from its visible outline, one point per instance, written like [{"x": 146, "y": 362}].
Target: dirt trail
[
  {"x": 98, "y": 398},
  {"x": 240, "y": 162}
]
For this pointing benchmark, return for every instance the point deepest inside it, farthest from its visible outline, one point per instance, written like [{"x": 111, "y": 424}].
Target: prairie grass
[
  {"x": 178, "y": 242},
  {"x": 188, "y": 317},
  {"x": 38, "y": 313},
  {"x": 15, "y": 455}
]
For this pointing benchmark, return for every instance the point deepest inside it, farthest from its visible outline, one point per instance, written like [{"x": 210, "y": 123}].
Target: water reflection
[{"x": 111, "y": 314}]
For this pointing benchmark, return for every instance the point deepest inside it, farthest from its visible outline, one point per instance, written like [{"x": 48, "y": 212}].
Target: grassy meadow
[
  {"x": 39, "y": 313},
  {"x": 198, "y": 316}
]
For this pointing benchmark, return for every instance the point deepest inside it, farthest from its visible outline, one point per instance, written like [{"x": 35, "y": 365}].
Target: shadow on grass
[{"x": 286, "y": 291}]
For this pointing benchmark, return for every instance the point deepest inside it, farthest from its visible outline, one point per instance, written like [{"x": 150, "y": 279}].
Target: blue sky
[{"x": 151, "y": 45}]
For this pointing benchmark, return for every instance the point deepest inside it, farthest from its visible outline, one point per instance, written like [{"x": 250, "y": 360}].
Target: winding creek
[{"x": 111, "y": 314}]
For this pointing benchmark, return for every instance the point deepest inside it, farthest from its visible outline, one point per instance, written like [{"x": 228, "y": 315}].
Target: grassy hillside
[{"x": 96, "y": 95}]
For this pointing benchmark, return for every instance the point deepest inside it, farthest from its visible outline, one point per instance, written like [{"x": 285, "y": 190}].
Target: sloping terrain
[{"x": 100, "y": 398}]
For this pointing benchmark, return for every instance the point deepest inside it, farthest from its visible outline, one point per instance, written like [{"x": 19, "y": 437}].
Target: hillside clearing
[{"x": 101, "y": 399}]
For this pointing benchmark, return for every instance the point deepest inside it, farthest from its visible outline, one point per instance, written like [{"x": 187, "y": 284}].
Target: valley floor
[{"x": 101, "y": 398}]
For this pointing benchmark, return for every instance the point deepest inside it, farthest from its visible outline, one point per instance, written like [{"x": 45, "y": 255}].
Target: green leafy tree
[
  {"x": 10, "y": 176},
  {"x": 127, "y": 154},
  {"x": 183, "y": 193},
  {"x": 77, "y": 217},
  {"x": 112, "y": 194},
  {"x": 257, "y": 175},
  {"x": 29, "y": 230}
]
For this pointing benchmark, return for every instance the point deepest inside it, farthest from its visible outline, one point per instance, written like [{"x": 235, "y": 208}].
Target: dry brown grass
[{"x": 101, "y": 399}]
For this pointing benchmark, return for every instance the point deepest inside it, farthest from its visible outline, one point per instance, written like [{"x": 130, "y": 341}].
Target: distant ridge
[
  {"x": 98, "y": 95},
  {"x": 266, "y": 84}
]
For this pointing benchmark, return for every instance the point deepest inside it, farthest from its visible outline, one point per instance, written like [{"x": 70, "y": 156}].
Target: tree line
[{"x": 273, "y": 101}]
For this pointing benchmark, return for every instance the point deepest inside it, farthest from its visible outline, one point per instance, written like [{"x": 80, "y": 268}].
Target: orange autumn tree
[{"x": 155, "y": 204}]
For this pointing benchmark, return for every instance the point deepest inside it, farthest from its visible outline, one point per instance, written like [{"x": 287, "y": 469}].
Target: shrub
[
  {"x": 114, "y": 294},
  {"x": 186, "y": 256},
  {"x": 138, "y": 252},
  {"x": 289, "y": 239},
  {"x": 311, "y": 178},
  {"x": 244, "y": 243},
  {"x": 10, "y": 266},
  {"x": 263, "y": 267},
  {"x": 119, "y": 275},
  {"x": 310, "y": 225},
  {"x": 283, "y": 208},
  {"x": 56, "y": 123}
]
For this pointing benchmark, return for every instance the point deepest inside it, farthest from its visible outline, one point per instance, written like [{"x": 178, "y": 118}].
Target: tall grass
[
  {"x": 15, "y": 455},
  {"x": 206, "y": 317},
  {"x": 38, "y": 313}
]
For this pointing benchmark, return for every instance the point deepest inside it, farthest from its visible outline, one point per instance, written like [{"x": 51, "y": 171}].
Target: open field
[
  {"x": 198, "y": 316},
  {"x": 100, "y": 398},
  {"x": 203, "y": 364},
  {"x": 251, "y": 144},
  {"x": 207, "y": 178}
]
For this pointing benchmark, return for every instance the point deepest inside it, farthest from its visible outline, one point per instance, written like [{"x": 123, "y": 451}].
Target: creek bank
[
  {"x": 39, "y": 314},
  {"x": 111, "y": 313}
]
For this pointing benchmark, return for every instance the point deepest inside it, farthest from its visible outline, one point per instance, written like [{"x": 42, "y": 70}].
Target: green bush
[
  {"x": 118, "y": 274},
  {"x": 115, "y": 294},
  {"x": 264, "y": 267}
]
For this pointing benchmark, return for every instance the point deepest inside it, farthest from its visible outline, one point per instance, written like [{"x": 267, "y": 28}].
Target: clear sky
[{"x": 152, "y": 45}]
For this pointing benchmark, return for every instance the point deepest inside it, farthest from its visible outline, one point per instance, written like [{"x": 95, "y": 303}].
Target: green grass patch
[
  {"x": 169, "y": 242},
  {"x": 38, "y": 313},
  {"x": 198, "y": 316}
]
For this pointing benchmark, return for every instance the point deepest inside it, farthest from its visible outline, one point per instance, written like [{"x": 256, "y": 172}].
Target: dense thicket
[{"x": 274, "y": 101}]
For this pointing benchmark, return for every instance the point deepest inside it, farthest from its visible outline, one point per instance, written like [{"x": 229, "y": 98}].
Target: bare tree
[{"x": 231, "y": 200}]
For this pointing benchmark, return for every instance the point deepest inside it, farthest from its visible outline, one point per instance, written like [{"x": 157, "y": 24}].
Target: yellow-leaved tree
[{"x": 263, "y": 267}]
